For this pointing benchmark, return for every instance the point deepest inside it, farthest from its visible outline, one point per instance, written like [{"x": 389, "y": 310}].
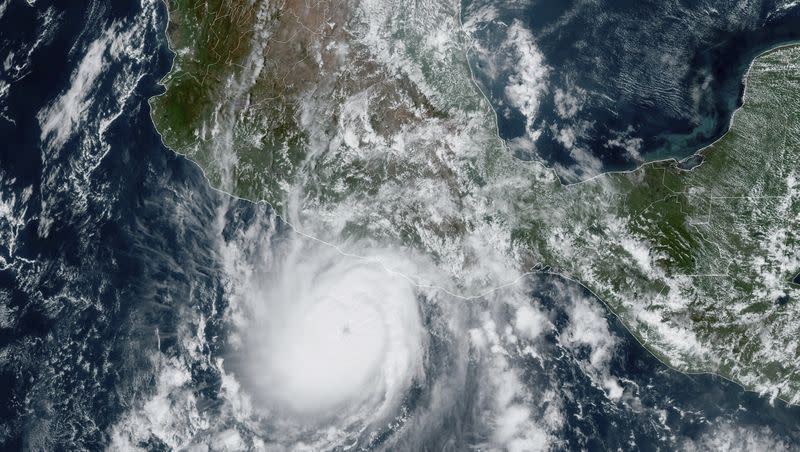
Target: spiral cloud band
[{"x": 332, "y": 336}]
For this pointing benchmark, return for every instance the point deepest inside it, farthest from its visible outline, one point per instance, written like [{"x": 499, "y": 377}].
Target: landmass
[{"x": 361, "y": 122}]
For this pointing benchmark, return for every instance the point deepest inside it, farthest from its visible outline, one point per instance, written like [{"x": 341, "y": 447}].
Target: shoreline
[{"x": 504, "y": 145}]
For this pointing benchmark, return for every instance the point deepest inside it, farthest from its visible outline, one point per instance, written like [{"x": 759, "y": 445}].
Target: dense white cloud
[
  {"x": 327, "y": 334},
  {"x": 527, "y": 82}
]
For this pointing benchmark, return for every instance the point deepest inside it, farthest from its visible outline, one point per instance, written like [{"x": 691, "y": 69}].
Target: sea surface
[
  {"x": 622, "y": 82},
  {"x": 108, "y": 240}
]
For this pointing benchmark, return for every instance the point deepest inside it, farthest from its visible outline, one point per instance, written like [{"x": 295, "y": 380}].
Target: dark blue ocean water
[
  {"x": 666, "y": 74},
  {"x": 127, "y": 247},
  {"x": 664, "y": 403},
  {"x": 99, "y": 264}
]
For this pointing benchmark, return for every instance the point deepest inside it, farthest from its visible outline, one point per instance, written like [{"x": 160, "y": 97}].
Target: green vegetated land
[
  {"x": 212, "y": 37},
  {"x": 699, "y": 263},
  {"x": 221, "y": 96},
  {"x": 696, "y": 263}
]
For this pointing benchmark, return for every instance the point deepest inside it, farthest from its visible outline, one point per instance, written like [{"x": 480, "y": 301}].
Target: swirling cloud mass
[
  {"x": 331, "y": 337},
  {"x": 387, "y": 280}
]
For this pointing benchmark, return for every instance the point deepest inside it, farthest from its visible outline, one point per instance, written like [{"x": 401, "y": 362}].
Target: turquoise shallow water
[
  {"x": 660, "y": 77},
  {"x": 99, "y": 267}
]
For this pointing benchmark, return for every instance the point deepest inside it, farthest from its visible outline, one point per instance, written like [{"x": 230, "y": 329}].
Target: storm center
[{"x": 331, "y": 336}]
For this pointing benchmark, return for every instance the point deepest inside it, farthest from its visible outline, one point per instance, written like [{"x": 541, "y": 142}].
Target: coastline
[{"x": 701, "y": 151}]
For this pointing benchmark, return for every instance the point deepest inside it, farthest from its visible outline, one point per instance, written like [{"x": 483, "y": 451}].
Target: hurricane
[
  {"x": 307, "y": 226},
  {"x": 330, "y": 336}
]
